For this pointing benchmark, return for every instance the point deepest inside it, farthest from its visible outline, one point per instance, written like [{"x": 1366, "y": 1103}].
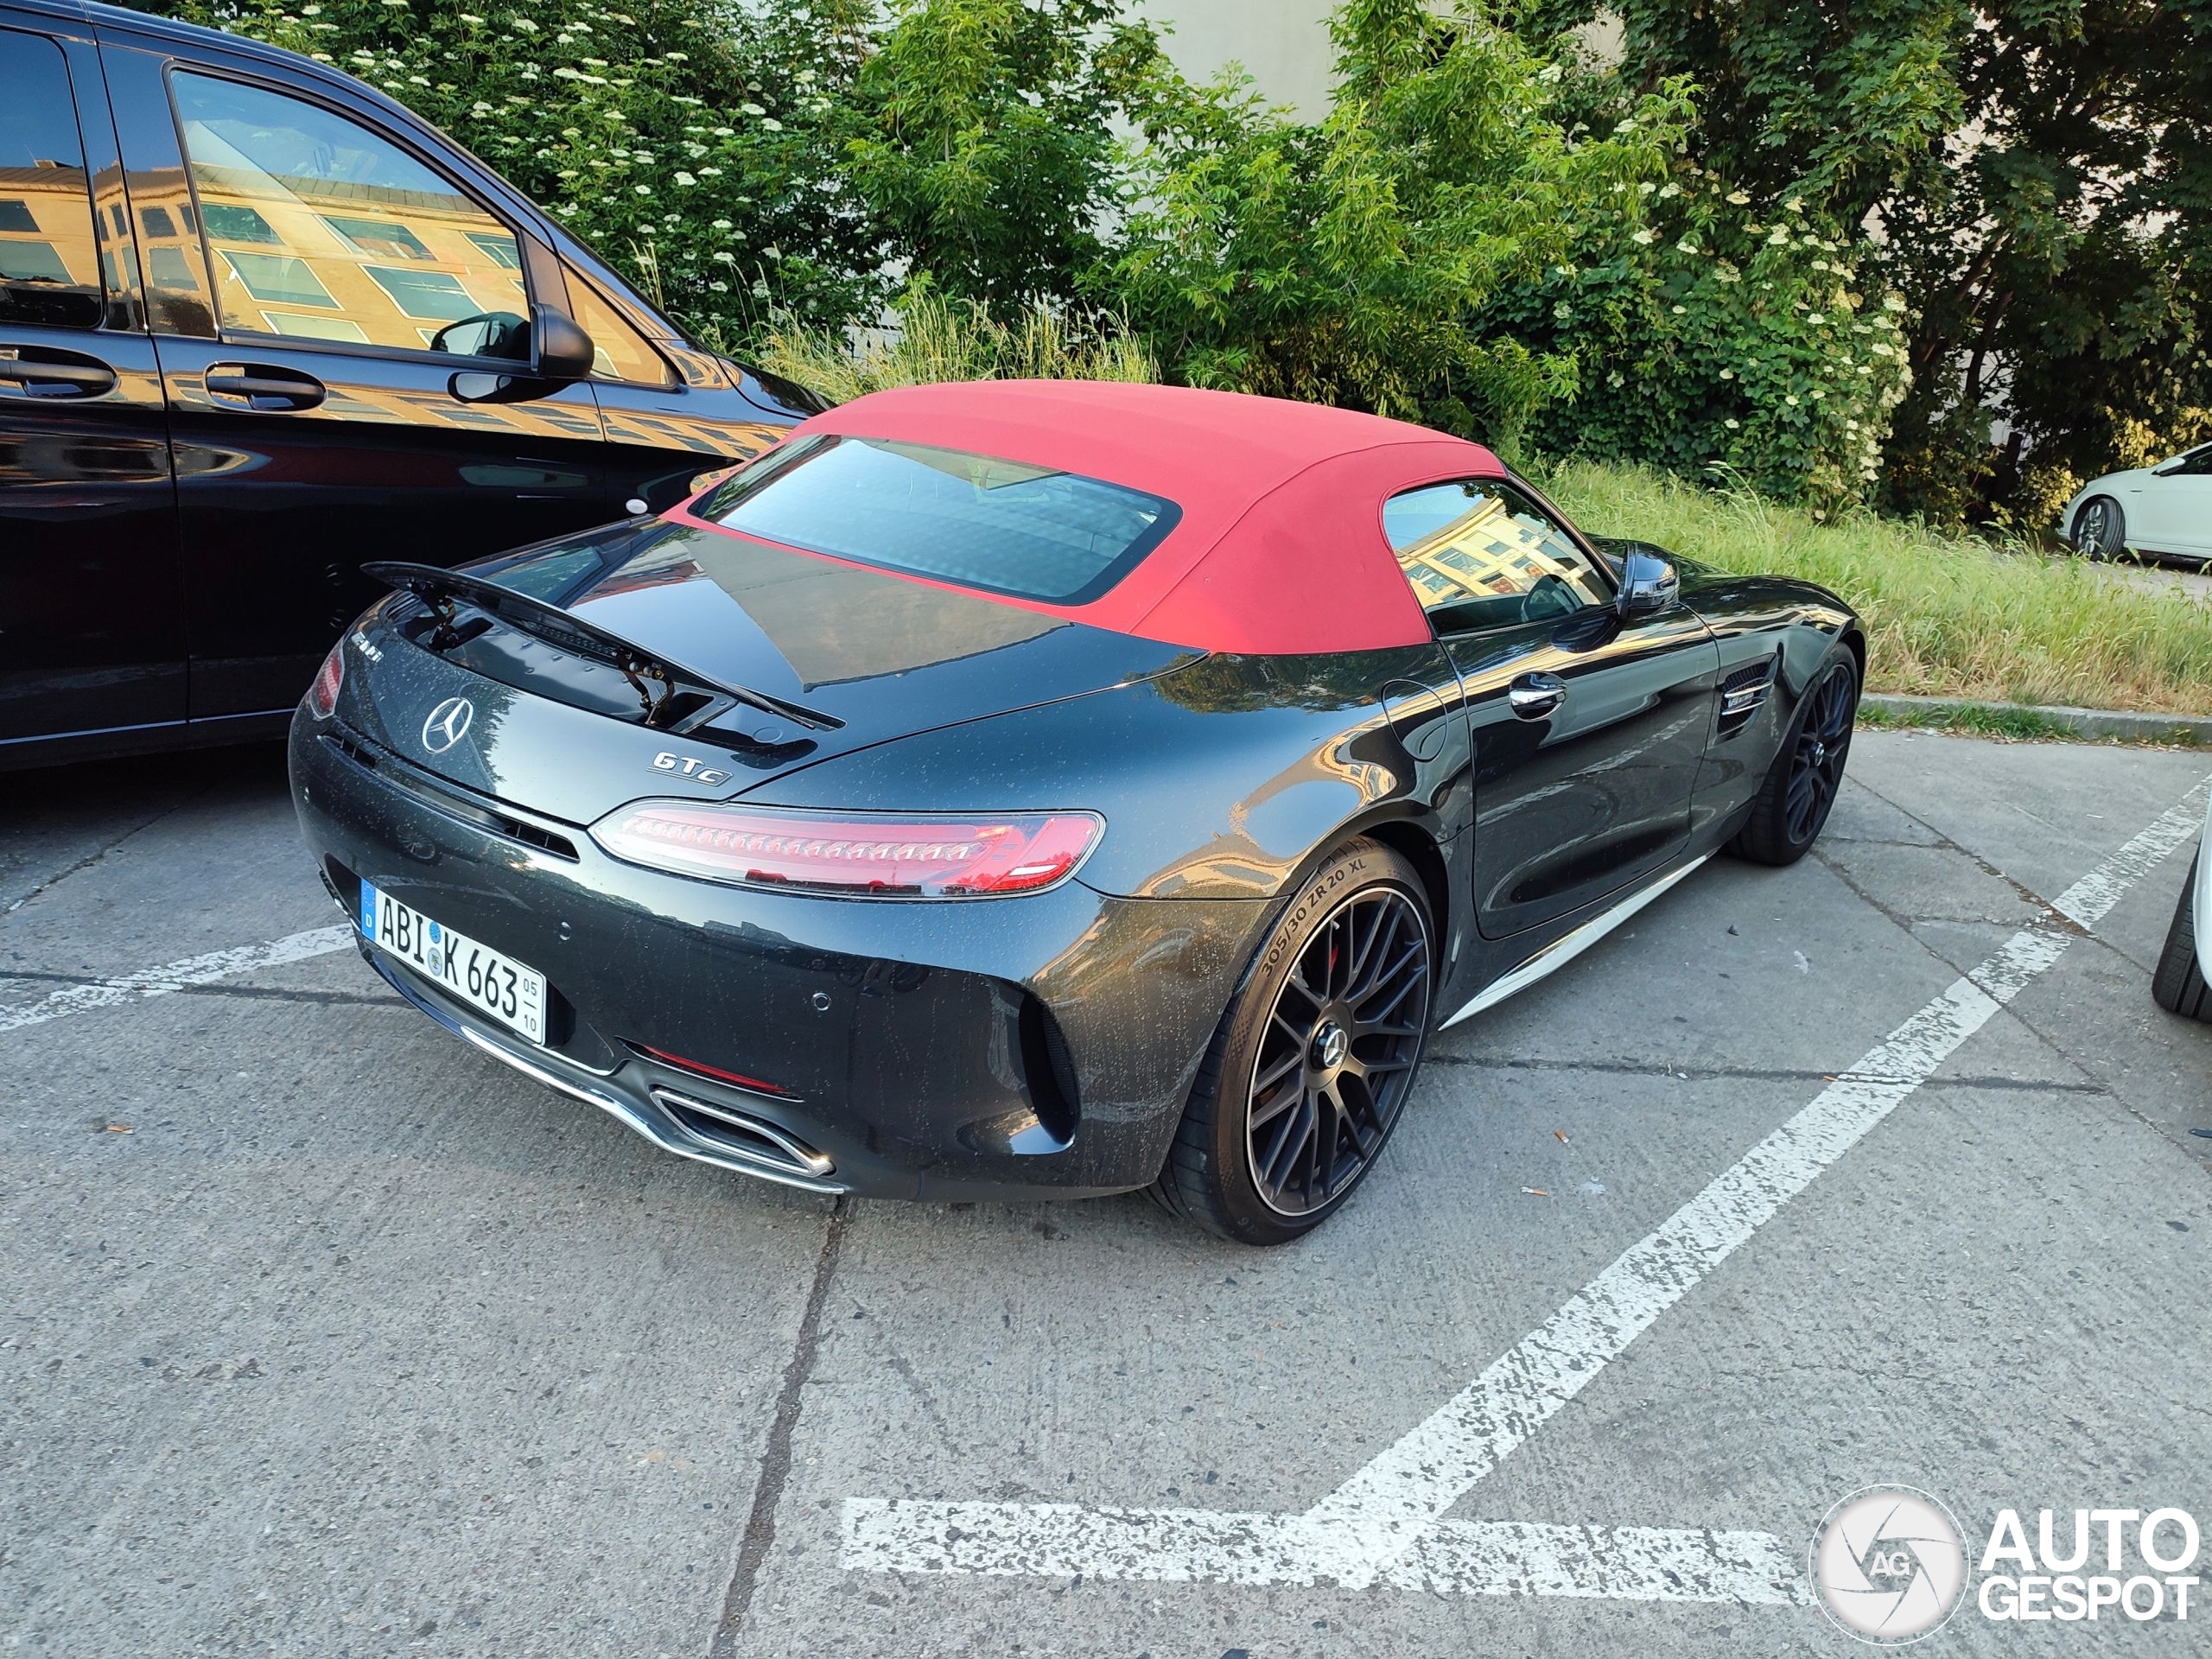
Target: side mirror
[
  {"x": 490, "y": 333},
  {"x": 562, "y": 355},
  {"x": 1648, "y": 584},
  {"x": 564, "y": 351}
]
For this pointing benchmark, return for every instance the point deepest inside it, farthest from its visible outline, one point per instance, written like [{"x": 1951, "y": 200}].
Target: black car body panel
[
  {"x": 843, "y": 1008},
  {"x": 175, "y": 554}
]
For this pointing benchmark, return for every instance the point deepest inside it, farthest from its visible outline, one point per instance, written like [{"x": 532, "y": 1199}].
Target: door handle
[
  {"x": 44, "y": 372},
  {"x": 258, "y": 386},
  {"x": 1535, "y": 695}
]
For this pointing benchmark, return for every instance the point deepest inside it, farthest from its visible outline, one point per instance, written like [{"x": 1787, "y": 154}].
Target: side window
[
  {"x": 49, "y": 253},
  {"x": 320, "y": 229},
  {"x": 1479, "y": 554},
  {"x": 2198, "y": 465},
  {"x": 622, "y": 352}
]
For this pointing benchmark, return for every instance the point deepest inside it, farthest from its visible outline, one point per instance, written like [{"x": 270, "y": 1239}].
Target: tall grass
[
  {"x": 938, "y": 339},
  {"x": 1946, "y": 617}
]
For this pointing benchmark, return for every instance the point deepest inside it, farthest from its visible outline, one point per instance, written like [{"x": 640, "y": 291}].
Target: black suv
[{"x": 258, "y": 325}]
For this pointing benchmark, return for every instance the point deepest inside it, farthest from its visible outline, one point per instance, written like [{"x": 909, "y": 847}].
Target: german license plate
[{"x": 494, "y": 984}]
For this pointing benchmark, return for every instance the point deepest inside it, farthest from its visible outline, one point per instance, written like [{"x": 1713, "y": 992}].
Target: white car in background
[
  {"x": 2162, "y": 509},
  {"x": 2178, "y": 986}
]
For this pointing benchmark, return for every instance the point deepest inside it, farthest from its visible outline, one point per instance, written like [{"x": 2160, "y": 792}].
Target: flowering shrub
[
  {"x": 1717, "y": 339},
  {"x": 703, "y": 156}
]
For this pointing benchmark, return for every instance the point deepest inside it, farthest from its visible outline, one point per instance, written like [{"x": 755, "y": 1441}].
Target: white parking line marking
[
  {"x": 1472, "y": 1558},
  {"x": 1385, "y": 1525},
  {"x": 175, "y": 976}
]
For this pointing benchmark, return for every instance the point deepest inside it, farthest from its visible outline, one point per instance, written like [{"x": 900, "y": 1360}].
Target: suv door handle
[
  {"x": 259, "y": 386},
  {"x": 44, "y": 372},
  {"x": 1535, "y": 695}
]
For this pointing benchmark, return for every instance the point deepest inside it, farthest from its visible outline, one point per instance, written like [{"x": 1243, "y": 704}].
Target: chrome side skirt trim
[{"x": 1564, "y": 950}]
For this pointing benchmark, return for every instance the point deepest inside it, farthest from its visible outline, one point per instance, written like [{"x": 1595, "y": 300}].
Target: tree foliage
[
  {"x": 988, "y": 153},
  {"x": 2037, "y": 174},
  {"x": 1361, "y": 260}
]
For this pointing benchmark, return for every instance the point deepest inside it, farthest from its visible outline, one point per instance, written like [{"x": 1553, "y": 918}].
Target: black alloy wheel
[
  {"x": 1339, "y": 1052},
  {"x": 1310, "y": 1067},
  {"x": 1793, "y": 804},
  {"x": 1816, "y": 763}
]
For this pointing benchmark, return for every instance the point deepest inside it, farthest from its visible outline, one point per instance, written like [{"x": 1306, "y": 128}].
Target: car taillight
[
  {"x": 860, "y": 854},
  {"x": 323, "y": 696}
]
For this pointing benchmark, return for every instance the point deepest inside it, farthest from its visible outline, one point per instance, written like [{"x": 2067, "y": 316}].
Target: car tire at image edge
[
  {"x": 1311, "y": 1066},
  {"x": 2179, "y": 984}
]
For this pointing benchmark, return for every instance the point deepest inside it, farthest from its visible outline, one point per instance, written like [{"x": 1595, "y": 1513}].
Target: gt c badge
[
  {"x": 447, "y": 724},
  {"x": 689, "y": 766}
]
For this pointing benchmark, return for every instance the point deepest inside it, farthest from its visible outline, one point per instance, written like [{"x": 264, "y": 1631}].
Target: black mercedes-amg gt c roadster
[{"x": 1042, "y": 789}]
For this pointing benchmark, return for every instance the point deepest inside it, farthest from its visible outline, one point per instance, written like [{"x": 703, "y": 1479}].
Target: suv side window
[
  {"x": 620, "y": 352},
  {"x": 1479, "y": 554},
  {"x": 49, "y": 254},
  {"x": 317, "y": 227}
]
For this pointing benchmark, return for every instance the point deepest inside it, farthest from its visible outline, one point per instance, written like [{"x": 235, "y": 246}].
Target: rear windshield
[{"x": 1003, "y": 526}]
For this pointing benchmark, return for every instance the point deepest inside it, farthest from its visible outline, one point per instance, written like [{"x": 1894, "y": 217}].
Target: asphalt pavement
[{"x": 321, "y": 1334}]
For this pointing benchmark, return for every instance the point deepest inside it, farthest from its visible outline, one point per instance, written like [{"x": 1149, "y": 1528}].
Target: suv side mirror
[
  {"x": 564, "y": 351},
  {"x": 1648, "y": 584},
  {"x": 560, "y": 355}
]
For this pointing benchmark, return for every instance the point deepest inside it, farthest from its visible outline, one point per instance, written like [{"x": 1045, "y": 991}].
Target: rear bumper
[{"x": 1038, "y": 1045}]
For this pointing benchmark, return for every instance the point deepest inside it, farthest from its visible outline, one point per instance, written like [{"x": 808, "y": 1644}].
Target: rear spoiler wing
[{"x": 444, "y": 590}]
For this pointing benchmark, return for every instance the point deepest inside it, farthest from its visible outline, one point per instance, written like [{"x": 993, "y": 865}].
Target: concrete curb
[{"x": 2192, "y": 729}]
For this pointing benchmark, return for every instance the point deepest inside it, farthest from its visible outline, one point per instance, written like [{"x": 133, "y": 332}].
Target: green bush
[
  {"x": 1363, "y": 261},
  {"x": 1718, "y": 344},
  {"x": 988, "y": 153}
]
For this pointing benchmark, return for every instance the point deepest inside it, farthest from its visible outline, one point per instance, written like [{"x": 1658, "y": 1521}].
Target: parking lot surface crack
[
  {"x": 2026, "y": 894},
  {"x": 260, "y": 992},
  {"x": 91, "y": 859},
  {"x": 776, "y": 1459}
]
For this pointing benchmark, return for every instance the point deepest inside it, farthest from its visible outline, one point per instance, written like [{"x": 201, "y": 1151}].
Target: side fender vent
[{"x": 1743, "y": 693}]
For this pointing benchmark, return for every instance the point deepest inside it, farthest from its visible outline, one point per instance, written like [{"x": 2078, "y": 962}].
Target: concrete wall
[{"x": 1283, "y": 44}]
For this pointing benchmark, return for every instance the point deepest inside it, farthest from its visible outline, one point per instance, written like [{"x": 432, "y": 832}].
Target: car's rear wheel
[
  {"x": 2100, "y": 529},
  {"x": 2178, "y": 985},
  {"x": 1793, "y": 805},
  {"x": 1310, "y": 1069}
]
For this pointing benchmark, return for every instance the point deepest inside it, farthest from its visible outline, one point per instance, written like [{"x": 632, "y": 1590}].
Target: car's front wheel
[
  {"x": 1311, "y": 1066},
  {"x": 1793, "y": 804},
  {"x": 2178, "y": 985},
  {"x": 2100, "y": 529}
]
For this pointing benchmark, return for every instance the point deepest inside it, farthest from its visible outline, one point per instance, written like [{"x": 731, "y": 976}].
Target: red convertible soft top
[{"x": 1279, "y": 550}]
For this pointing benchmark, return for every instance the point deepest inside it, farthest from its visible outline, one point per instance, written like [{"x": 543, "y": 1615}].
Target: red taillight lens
[
  {"x": 858, "y": 855},
  {"x": 323, "y": 696}
]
